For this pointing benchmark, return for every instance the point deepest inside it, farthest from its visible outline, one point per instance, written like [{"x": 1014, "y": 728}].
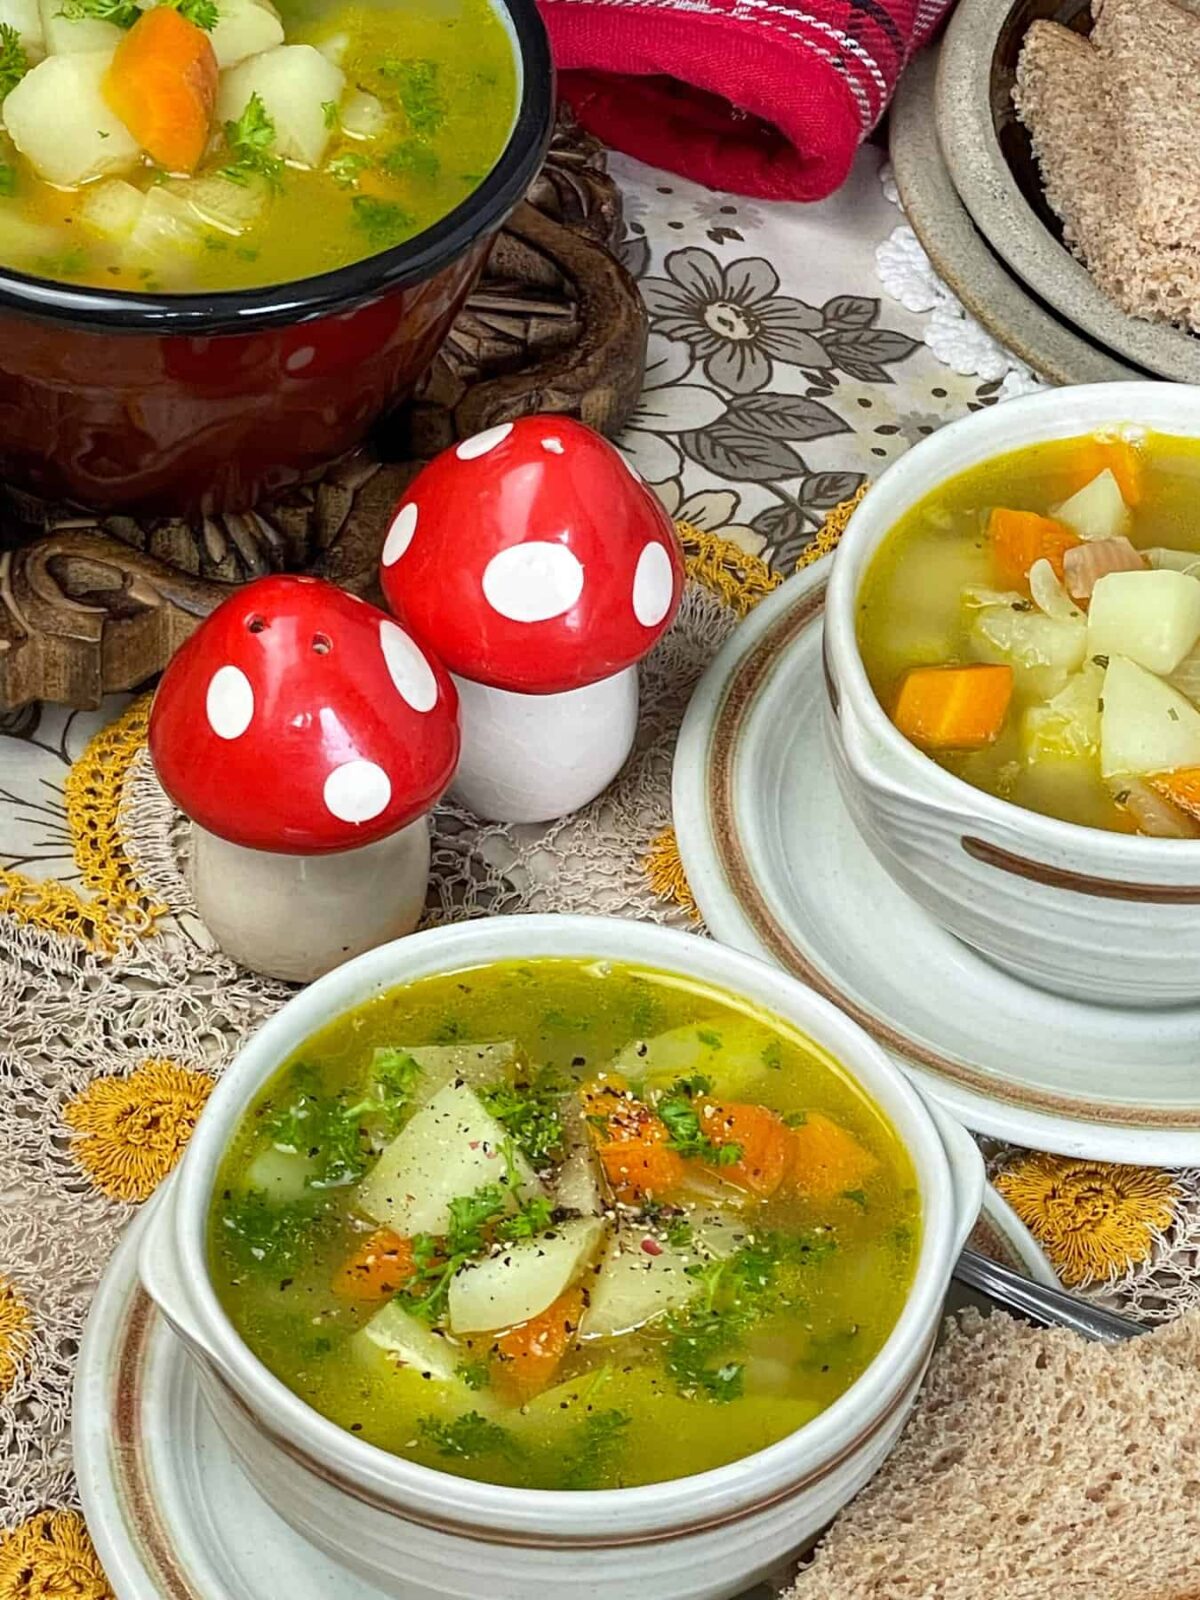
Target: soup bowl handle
[
  {"x": 162, "y": 1279},
  {"x": 967, "y": 1173}
]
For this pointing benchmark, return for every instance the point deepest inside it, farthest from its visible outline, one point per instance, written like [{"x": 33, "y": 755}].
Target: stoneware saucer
[
  {"x": 778, "y": 869},
  {"x": 170, "y": 1511}
]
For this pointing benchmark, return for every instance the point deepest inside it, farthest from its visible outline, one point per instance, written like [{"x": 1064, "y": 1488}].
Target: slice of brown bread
[
  {"x": 1035, "y": 1467},
  {"x": 1060, "y": 98},
  {"x": 1064, "y": 98},
  {"x": 1151, "y": 55}
]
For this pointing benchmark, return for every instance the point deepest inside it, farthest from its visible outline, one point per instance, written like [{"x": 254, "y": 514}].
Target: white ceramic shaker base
[
  {"x": 296, "y": 916},
  {"x": 533, "y": 757}
]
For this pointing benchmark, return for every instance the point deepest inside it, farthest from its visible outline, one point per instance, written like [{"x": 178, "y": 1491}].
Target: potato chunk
[
  {"x": 293, "y": 81},
  {"x": 26, "y": 17},
  {"x": 1098, "y": 510},
  {"x": 1151, "y": 617},
  {"x": 1146, "y": 726},
  {"x": 244, "y": 28},
  {"x": 60, "y": 122},
  {"x": 522, "y": 1279},
  {"x": 111, "y": 210},
  {"x": 64, "y": 37},
  {"x": 451, "y": 1147}
]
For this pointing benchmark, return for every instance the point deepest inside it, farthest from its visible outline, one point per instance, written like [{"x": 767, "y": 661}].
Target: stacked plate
[{"x": 972, "y": 194}]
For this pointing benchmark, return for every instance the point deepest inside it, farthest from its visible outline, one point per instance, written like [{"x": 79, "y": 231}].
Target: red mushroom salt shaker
[
  {"x": 307, "y": 736},
  {"x": 540, "y": 569}
]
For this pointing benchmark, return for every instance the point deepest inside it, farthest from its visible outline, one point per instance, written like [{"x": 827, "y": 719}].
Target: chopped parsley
[
  {"x": 468, "y": 1435},
  {"x": 337, "y": 1138},
  {"x": 250, "y": 139},
  {"x": 531, "y": 1112},
  {"x": 474, "y": 1374},
  {"x": 14, "y": 63},
  {"x": 859, "y": 1197},
  {"x": 203, "y": 13},
  {"x": 123, "y": 12},
  {"x": 262, "y": 1234},
  {"x": 476, "y": 1221},
  {"x": 329, "y": 110},
  {"x": 8, "y": 180},
  {"x": 772, "y": 1055},
  {"x": 678, "y": 1111},
  {"x": 708, "y": 1037},
  {"x": 416, "y": 87},
  {"x": 594, "y": 1449},
  {"x": 412, "y": 159},
  {"x": 344, "y": 169}
]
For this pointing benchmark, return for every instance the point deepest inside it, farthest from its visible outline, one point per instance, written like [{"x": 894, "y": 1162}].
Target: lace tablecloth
[{"x": 778, "y": 385}]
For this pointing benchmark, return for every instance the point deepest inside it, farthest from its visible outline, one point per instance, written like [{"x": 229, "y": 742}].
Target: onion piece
[
  {"x": 1186, "y": 677},
  {"x": 979, "y": 598},
  {"x": 1049, "y": 595},
  {"x": 1153, "y": 813},
  {"x": 1086, "y": 564}
]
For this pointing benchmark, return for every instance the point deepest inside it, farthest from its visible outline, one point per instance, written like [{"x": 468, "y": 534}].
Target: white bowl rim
[
  {"x": 744, "y": 1482},
  {"x": 1052, "y": 414}
]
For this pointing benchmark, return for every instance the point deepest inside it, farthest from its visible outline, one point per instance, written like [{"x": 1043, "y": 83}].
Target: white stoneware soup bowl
[
  {"x": 422, "y": 1534},
  {"x": 1105, "y": 917}
]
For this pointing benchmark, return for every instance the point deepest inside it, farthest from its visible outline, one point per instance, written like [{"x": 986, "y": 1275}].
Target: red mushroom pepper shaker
[
  {"x": 307, "y": 736},
  {"x": 540, "y": 569}
]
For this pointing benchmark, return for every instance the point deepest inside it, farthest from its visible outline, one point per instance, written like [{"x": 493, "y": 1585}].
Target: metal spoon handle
[{"x": 1049, "y": 1307}]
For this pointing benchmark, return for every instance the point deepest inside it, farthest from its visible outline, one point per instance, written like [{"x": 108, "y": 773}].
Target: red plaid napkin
[{"x": 761, "y": 97}]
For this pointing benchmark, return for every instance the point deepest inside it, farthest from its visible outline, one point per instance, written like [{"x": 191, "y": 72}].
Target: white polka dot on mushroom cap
[
  {"x": 408, "y": 668},
  {"x": 299, "y": 359},
  {"x": 554, "y": 446},
  {"x": 653, "y": 585},
  {"x": 533, "y": 582},
  {"x": 480, "y": 443},
  {"x": 357, "y": 791},
  {"x": 229, "y": 703},
  {"x": 400, "y": 534}
]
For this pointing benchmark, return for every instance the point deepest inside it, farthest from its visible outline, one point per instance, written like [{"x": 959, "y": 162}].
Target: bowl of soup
[
  {"x": 233, "y": 235},
  {"x": 1013, "y": 651},
  {"x": 561, "y": 1256}
]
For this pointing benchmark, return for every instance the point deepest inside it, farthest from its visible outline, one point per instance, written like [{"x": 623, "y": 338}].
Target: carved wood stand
[{"x": 90, "y": 605}]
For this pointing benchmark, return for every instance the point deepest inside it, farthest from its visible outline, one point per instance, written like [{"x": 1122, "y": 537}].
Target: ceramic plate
[
  {"x": 171, "y": 1514},
  {"x": 969, "y": 97},
  {"x": 961, "y": 256},
  {"x": 779, "y": 869}
]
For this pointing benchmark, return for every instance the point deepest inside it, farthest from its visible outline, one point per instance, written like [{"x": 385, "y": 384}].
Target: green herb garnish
[
  {"x": 531, "y": 1113},
  {"x": 683, "y": 1123},
  {"x": 416, "y": 88},
  {"x": 858, "y": 1196},
  {"x": 709, "y": 1038},
  {"x": 261, "y": 1234},
  {"x": 593, "y": 1450},
  {"x": 250, "y": 139},
  {"x": 123, "y": 12},
  {"x": 203, "y": 13},
  {"x": 14, "y": 63},
  {"x": 329, "y": 110},
  {"x": 772, "y": 1055},
  {"x": 474, "y": 1374},
  {"x": 412, "y": 159},
  {"x": 8, "y": 180},
  {"x": 469, "y": 1435},
  {"x": 344, "y": 169}
]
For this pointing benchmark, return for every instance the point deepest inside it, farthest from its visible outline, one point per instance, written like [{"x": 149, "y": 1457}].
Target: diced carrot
[
  {"x": 163, "y": 85},
  {"x": 380, "y": 1267},
  {"x": 953, "y": 708},
  {"x": 632, "y": 1143},
  {"x": 826, "y": 1161},
  {"x": 1019, "y": 538},
  {"x": 1182, "y": 788},
  {"x": 1123, "y": 460},
  {"x": 764, "y": 1139},
  {"x": 526, "y": 1359}
]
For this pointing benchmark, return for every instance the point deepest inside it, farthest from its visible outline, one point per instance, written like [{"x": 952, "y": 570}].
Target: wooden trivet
[{"x": 89, "y": 605}]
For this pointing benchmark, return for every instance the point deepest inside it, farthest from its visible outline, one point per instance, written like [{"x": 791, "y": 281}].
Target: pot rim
[
  {"x": 421, "y": 1493},
  {"x": 1062, "y": 413},
  {"x": 477, "y": 215}
]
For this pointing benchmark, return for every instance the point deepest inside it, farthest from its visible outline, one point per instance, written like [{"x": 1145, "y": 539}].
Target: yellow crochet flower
[
  {"x": 14, "y": 1333},
  {"x": 51, "y": 1557},
  {"x": 131, "y": 1131},
  {"x": 664, "y": 869},
  {"x": 1094, "y": 1220}
]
